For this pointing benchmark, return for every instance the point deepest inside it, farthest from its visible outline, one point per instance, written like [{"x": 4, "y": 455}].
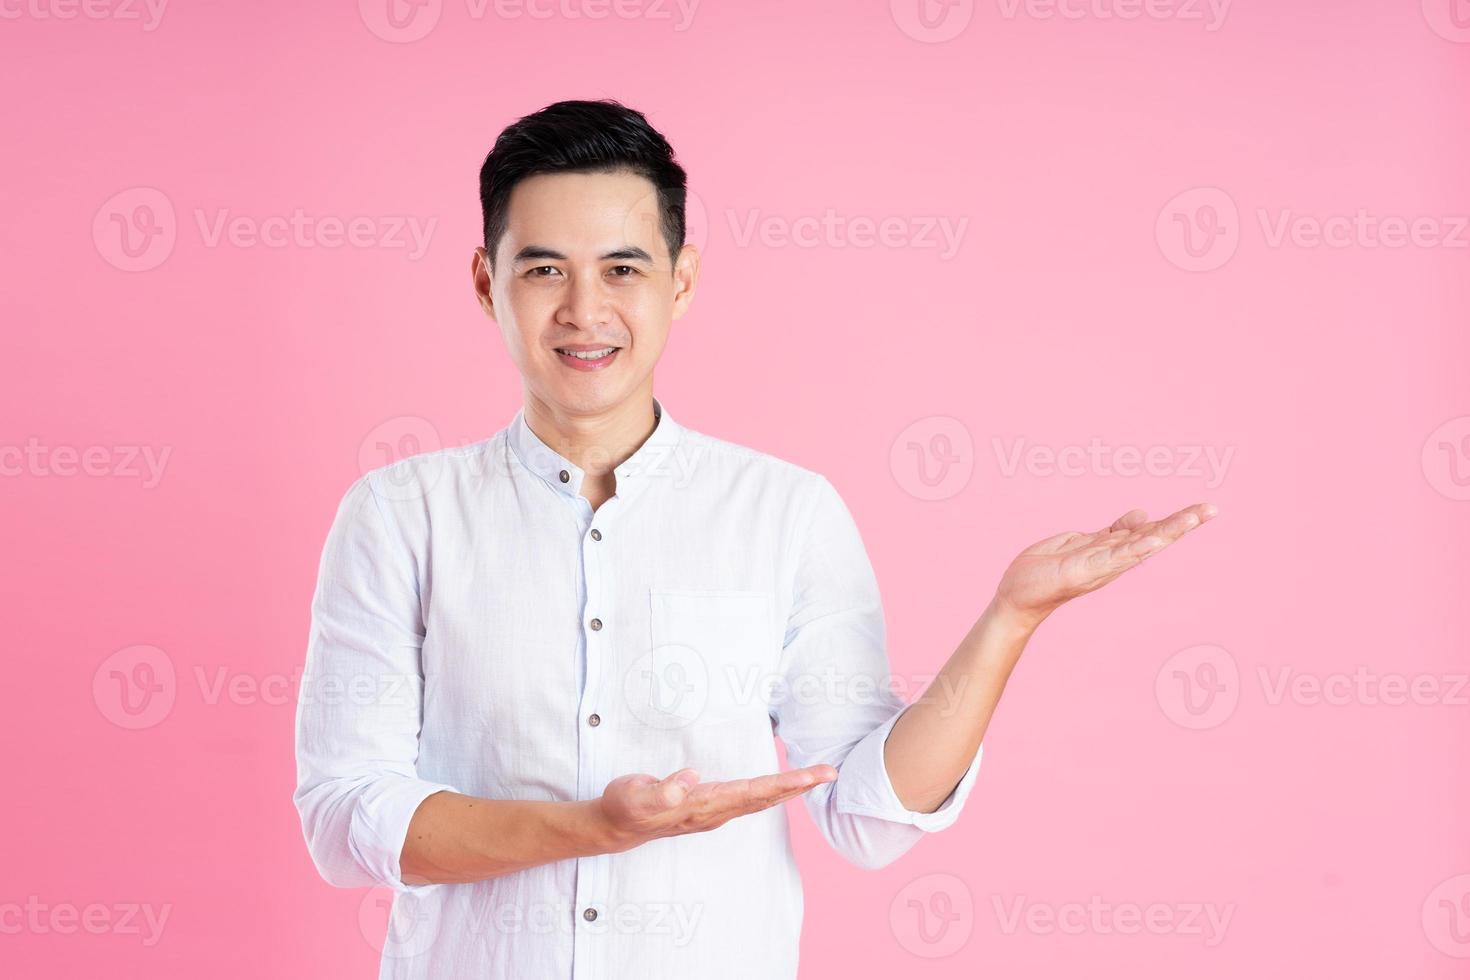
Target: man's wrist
[
  {"x": 596, "y": 832},
  {"x": 1010, "y": 620}
]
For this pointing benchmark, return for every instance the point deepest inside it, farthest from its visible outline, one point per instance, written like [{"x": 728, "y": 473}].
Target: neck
[{"x": 598, "y": 441}]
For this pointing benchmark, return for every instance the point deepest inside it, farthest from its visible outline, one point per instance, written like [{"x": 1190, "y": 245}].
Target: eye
[
  {"x": 630, "y": 270},
  {"x": 536, "y": 272}
]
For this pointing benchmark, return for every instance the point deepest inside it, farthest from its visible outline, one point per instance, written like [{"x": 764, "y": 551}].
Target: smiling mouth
[
  {"x": 587, "y": 359},
  {"x": 596, "y": 354}
]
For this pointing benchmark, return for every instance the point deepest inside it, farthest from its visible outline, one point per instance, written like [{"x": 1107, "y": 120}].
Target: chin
[{"x": 588, "y": 399}]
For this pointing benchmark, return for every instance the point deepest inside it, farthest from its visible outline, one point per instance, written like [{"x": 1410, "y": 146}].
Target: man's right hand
[{"x": 638, "y": 808}]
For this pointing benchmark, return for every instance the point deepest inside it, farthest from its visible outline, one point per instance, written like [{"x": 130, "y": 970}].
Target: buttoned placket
[
  {"x": 597, "y": 533},
  {"x": 593, "y": 773}
]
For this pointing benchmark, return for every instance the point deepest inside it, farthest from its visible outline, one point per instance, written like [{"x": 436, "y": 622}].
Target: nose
[{"x": 586, "y": 305}]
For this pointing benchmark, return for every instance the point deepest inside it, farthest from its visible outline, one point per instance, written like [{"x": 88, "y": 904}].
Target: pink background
[{"x": 1078, "y": 149}]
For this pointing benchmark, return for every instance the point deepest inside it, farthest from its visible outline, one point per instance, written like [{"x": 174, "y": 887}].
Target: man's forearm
[
  {"x": 454, "y": 838},
  {"x": 931, "y": 745}
]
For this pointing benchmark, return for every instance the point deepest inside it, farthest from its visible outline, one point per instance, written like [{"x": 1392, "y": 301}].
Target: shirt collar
[{"x": 565, "y": 476}]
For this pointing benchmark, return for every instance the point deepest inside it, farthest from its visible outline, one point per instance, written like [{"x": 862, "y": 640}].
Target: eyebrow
[{"x": 627, "y": 252}]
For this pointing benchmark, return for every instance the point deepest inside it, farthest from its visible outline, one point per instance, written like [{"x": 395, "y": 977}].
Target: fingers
[
  {"x": 1130, "y": 521},
  {"x": 674, "y": 788},
  {"x": 1173, "y": 527},
  {"x": 791, "y": 781},
  {"x": 1056, "y": 543},
  {"x": 741, "y": 796},
  {"x": 1151, "y": 538},
  {"x": 1125, "y": 538},
  {"x": 1117, "y": 530},
  {"x": 1130, "y": 540}
]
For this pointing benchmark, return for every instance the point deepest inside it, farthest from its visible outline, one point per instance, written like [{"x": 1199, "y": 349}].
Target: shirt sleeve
[
  {"x": 837, "y": 703},
  {"x": 361, "y": 699}
]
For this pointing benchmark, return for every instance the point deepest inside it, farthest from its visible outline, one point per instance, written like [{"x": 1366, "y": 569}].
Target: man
[{"x": 545, "y": 670}]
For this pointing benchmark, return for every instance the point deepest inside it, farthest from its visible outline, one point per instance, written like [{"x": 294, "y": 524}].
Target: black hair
[{"x": 602, "y": 136}]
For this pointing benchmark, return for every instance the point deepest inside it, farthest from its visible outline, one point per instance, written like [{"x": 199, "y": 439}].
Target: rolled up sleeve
[
  {"x": 359, "y": 709},
  {"x": 837, "y": 702}
]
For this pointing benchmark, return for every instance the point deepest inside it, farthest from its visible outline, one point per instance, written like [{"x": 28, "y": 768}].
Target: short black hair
[{"x": 602, "y": 136}]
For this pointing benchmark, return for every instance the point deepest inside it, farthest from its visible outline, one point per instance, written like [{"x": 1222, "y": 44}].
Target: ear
[
  {"x": 686, "y": 277},
  {"x": 481, "y": 276}
]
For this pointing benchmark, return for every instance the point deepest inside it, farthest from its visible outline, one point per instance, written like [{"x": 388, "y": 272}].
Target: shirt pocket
[{"x": 710, "y": 659}]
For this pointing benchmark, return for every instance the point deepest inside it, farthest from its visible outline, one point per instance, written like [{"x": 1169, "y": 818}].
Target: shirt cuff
[
  {"x": 380, "y": 822},
  {"x": 864, "y": 787}
]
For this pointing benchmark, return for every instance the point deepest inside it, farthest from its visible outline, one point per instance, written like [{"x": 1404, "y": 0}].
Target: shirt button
[
  {"x": 596, "y": 624},
  {"x": 596, "y": 534},
  {"x": 594, "y": 720},
  {"x": 565, "y": 476},
  {"x": 589, "y": 914}
]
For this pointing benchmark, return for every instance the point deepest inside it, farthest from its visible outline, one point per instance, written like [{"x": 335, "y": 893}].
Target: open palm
[{"x": 1074, "y": 563}]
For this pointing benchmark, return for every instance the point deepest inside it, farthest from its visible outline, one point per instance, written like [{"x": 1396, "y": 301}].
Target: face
[{"x": 583, "y": 268}]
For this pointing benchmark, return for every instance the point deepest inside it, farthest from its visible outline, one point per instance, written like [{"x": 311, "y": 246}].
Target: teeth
[{"x": 589, "y": 355}]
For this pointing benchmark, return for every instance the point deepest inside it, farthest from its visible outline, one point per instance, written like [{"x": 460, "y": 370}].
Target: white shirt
[{"x": 476, "y": 627}]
